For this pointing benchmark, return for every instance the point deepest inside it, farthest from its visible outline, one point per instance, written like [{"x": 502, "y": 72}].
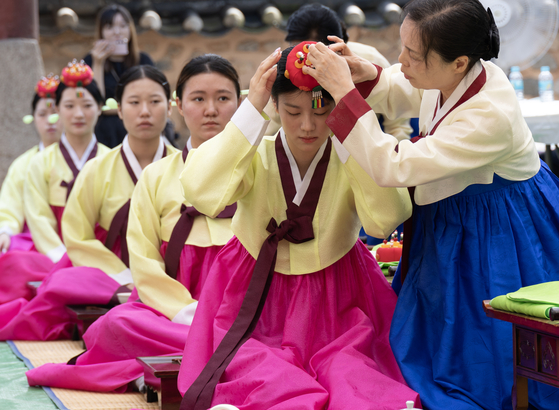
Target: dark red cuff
[
  {"x": 366, "y": 87},
  {"x": 343, "y": 118}
]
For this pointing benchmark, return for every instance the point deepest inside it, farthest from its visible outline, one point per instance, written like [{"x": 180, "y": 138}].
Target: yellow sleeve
[
  {"x": 12, "y": 217},
  {"x": 219, "y": 172},
  {"x": 39, "y": 216},
  {"x": 380, "y": 210},
  {"x": 80, "y": 216},
  {"x": 155, "y": 287}
]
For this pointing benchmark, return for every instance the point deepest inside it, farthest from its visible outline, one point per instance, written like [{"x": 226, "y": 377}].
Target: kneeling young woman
[
  {"x": 312, "y": 330},
  {"x": 15, "y": 272}
]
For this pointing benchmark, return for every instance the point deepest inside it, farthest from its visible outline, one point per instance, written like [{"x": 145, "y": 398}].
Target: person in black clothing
[{"x": 115, "y": 50}]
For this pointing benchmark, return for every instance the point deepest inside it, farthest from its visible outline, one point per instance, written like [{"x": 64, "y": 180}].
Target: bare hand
[
  {"x": 361, "y": 69},
  {"x": 262, "y": 81},
  {"x": 5, "y": 242},
  {"x": 102, "y": 50},
  {"x": 330, "y": 70}
]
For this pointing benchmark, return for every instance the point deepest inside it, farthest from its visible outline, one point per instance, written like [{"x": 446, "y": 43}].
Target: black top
[
  {"x": 111, "y": 78},
  {"x": 109, "y": 129}
]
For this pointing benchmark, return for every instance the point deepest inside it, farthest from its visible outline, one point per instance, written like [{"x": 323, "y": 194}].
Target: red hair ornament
[
  {"x": 296, "y": 60},
  {"x": 77, "y": 75},
  {"x": 46, "y": 88}
]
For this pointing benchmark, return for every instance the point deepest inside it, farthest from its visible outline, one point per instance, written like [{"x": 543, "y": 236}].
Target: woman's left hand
[{"x": 330, "y": 70}]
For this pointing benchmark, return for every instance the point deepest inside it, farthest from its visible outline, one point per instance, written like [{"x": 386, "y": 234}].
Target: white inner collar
[
  {"x": 189, "y": 145},
  {"x": 301, "y": 184},
  {"x": 78, "y": 162},
  {"x": 41, "y": 146},
  {"x": 456, "y": 95},
  {"x": 133, "y": 161}
]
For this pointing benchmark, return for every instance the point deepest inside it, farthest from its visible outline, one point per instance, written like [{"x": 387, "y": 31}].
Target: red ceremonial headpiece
[
  {"x": 77, "y": 75},
  {"x": 46, "y": 87},
  {"x": 296, "y": 60}
]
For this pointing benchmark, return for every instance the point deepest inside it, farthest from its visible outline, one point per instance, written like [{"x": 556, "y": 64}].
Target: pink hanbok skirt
[
  {"x": 321, "y": 341},
  {"x": 24, "y": 263},
  {"x": 128, "y": 331},
  {"x": 45, "y": 317}
]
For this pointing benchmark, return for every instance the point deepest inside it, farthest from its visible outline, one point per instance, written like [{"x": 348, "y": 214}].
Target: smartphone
[{"x": 121, "y": 47}]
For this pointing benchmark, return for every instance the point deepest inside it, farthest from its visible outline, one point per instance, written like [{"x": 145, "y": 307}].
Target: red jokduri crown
[
  {"x": 46, "y": 87},
  {"x": 296, "y": 60},
  {"x": 77, "y": 74}
]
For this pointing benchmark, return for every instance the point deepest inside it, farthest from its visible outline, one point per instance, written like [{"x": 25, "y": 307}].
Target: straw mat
[{"x": 35, "y": 353}]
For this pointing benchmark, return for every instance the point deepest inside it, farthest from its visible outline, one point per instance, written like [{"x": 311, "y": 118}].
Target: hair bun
[{"x": 494, "y": 41}]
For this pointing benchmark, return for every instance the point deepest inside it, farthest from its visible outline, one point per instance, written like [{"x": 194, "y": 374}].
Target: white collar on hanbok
[
  {"x": 455, "y": 96},
  {"x": 189, "y": 145},
  {"x": 41, "y": 146},
  {"x": 301, "y": 184},
  {"x": 78, "y": 162},
  {"x": 133, "y": 161}
]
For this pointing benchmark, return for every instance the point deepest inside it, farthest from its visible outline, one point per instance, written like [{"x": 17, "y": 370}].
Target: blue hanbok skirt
[{"x": 483, "y": 242}]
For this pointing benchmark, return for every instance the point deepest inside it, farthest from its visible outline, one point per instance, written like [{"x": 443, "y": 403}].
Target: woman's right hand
[
  {"x": 102, "y": 50},
  {"x": 5, "y": 242},
  {"x": 261, "y": 83}
]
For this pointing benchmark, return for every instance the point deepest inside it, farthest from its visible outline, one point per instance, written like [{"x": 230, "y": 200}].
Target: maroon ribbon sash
[
  {"x": 119, "y": 224},
  {"x": 472, "y": 90},
  {"x": 75, "y": 171},
  {"x": 297, "y": 228},
  {"x": 182, "y": 229}
]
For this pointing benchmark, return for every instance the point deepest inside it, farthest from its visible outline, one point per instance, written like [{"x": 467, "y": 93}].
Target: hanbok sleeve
[
  {"x": 11, "y": 199},
  {"x": 476, "y": 134},
  {"x": 80, "y": 216},
  {"x": 380, "y": 210},
  {"x": 220, "y": 171},
  {"x": 39, "y": 215},
  {"x": 155, "y": 287}
]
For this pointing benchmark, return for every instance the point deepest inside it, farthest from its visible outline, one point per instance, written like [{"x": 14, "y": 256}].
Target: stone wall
[{"x": 21, "y": 63}]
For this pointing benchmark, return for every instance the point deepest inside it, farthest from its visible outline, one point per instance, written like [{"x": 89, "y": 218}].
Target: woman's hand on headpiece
[
  {"x": 261, "y": 83},
  {"x": 361, "y": 69},
  {"x": 330, "y": 70}
]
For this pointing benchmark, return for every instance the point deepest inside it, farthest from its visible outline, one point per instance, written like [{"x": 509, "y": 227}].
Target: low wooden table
[
  {"x": 165, "y": 368},
  {"x": 535, "y": 351},
  {"x": 85, "y": 315}
]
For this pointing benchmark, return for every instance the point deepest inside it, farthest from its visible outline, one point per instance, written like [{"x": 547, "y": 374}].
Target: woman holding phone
[{"x": 115, "y": 51}]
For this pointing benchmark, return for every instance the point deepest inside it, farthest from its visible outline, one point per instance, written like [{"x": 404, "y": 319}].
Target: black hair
[
  {"x": 207, "y": 63},
  {"x": 91, "y": 87},
  {"x": 137, "y": 73},
  {"x": 34, "y": 103},
  {"x": 454, "y": 28},
  {"x": 313, "y": 22},
  {"x": 283, "y": 85}
]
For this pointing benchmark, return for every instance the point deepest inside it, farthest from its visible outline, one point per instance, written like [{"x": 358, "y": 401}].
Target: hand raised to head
[
  {"x": 261, "y": 83},
  {"x": 330, "y": 70}
]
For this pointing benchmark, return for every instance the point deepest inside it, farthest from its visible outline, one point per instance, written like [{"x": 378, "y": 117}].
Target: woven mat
[{"x": 37, "y": 353}]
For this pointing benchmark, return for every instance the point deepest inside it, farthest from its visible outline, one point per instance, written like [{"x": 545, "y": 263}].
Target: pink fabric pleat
[
  {"x": 128, "y": 331},
  {"x": 45, "y": 317},
  {"x": 19, "y": 267},
  {"x": 321, "y": 341}
]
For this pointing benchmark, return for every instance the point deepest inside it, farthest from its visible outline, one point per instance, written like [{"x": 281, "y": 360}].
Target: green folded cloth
[
  {"x": 385, "y": 265},
  {"x": 535, "y": 300}
]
